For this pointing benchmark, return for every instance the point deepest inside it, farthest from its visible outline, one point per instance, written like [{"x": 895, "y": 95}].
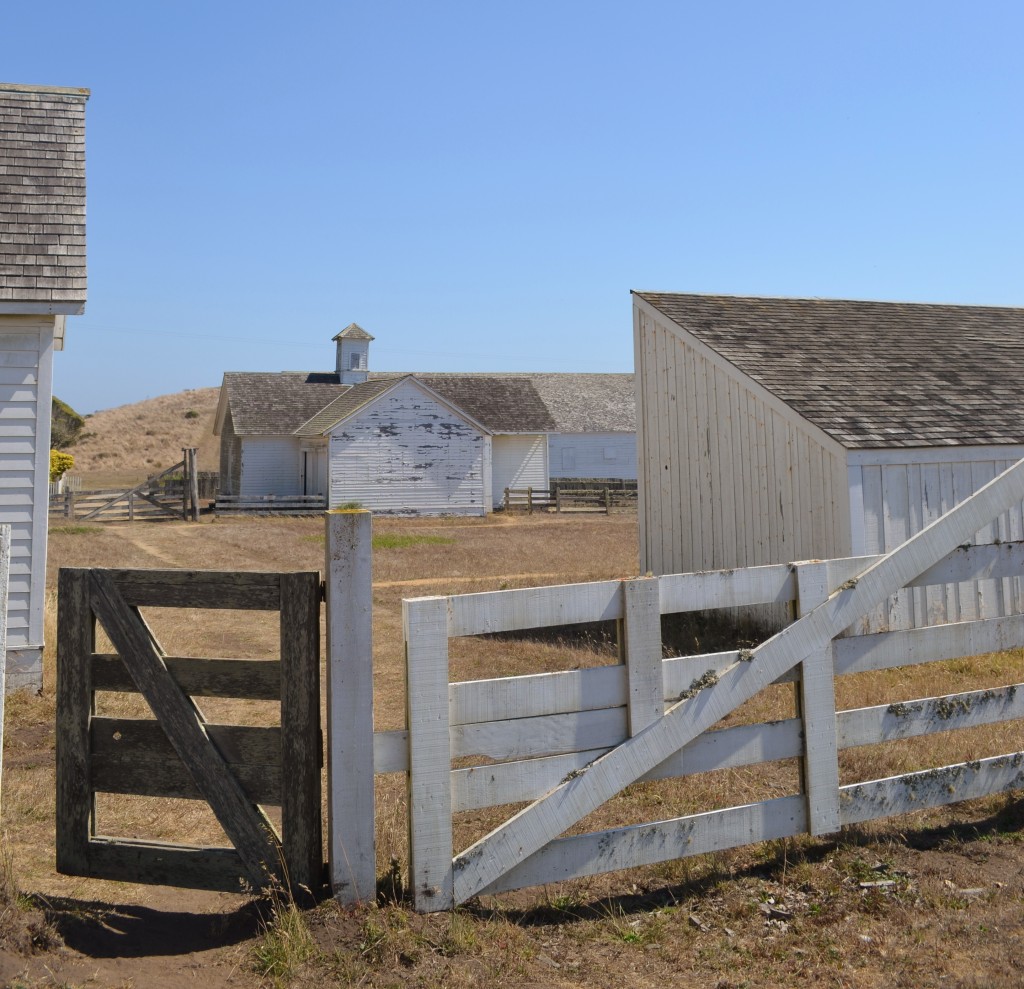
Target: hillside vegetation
[{"x": 129, "y": 442}]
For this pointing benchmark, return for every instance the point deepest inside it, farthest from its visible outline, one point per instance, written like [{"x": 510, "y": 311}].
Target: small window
[
  {"x": 355, "y": 362},
  {"x": 568, "y": 458},
  {"x": 609, "y": 453}
]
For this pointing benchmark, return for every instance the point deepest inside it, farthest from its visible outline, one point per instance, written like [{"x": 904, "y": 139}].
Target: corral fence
[
  {"x": 173, "y": 493},
  {"x": 574, "y": 495},
  {"x": 565, "y": 743},
  {"x": 270, "y": 504},
  {"x": 527, "y": 499}
]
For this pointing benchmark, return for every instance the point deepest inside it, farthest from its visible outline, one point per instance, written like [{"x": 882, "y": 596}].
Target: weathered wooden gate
[{"x": 177, "y": 753}]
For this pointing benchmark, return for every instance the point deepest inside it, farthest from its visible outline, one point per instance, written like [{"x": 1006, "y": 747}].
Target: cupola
[{"x": 353, "y": 358}]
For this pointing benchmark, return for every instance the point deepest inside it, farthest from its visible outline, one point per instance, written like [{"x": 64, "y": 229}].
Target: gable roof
[
  {"x": 272, "y": 403},
  {"x": 353, "y": 399},
  {"x": 42, "y": 198},
  {"x": 309, "y": 403},
  {"x": 352, "y": 332},
  {"x": 872, "y": 374}
]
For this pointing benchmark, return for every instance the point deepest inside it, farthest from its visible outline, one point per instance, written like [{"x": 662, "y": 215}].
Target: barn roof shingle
[
  {"x": 272, "y": 403},
  {"x": 42, "y": 196},
  {"x": 872, "y": 374}
]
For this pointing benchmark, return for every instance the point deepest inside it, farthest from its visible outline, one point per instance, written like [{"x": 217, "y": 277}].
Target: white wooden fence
[{"x": 566, "y": 742}]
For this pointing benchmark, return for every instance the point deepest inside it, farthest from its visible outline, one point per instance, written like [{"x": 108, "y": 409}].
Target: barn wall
[
  {"x": 270, "y": 465},
  {"x": 728, "y": 476},
  {"x": 230, "y": 457},
  {"x": 518, "y": 462},
  {"x": 896, "y": 493},
  {"x": 592, "y": 455},
  {"x": 26, "y": 362},
  {"x": 408, "y": 454}
]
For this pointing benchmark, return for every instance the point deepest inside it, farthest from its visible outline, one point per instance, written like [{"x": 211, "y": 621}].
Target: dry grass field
[{"x": 932, "y": 899}]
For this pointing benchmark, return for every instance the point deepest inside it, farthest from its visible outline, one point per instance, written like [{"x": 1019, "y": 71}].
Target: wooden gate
[
  {"x": 565, "y": 765},
  {"x": 177, "y": 753}
]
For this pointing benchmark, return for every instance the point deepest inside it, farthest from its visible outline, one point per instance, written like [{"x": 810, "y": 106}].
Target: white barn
[
  {"x": 776, "y": 430},
  {"x": 417, "y": 443},
  {"x": 42, "y": 282}
]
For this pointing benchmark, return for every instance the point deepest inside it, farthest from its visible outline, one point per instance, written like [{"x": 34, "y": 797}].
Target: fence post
[
  {"x": 506, "y": 499},
  {"x": 351, "y": 848},
  {"x": 5, "y": 559},
  {"x": 607, "y": 500},
  {"x": 558, "y": 497},
  {"x": 641, "y": 650},
  {"x": 529, "y": 500},
  {"x": 817, "y": 699},
  {"x": 190, "y": 485},
  {"x": 431, "y": 875}
]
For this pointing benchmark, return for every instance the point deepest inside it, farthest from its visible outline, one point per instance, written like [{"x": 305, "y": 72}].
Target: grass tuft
[
  {"x": 396, "y": 540},
  {"x": 286, "y": 943}
]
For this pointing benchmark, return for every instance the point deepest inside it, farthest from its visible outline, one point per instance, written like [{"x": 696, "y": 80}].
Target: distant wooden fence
[
  {"x": 173, "y": 493},
  {"x": 593, "y": 498},
  {"x": 177, "y": 753},
  {"x": 270, "y": 504},
  {"x": 526, "y": 499},
  {"x": 567, "y": 742}
]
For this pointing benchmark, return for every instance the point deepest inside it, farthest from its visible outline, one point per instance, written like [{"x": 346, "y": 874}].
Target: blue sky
[{"x": 480, "y": 184}]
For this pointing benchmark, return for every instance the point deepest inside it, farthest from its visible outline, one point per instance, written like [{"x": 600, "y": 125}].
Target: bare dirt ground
[{"x": 931, "y": 899}]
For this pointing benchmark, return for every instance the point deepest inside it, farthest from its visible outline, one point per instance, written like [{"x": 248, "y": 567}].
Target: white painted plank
[
  {"x": 662, "y": 841},
  {"x": 641, "y": 637},
  {"x": 726, "y": 748},
  {"x": 352, "y": 858},
  {"x": 907, "y": 719},
  {"x": 534, "y": 607},
  {"x": 533, "y": 827},
  {"x": 430, "y": 814},
  {"x": 931, "y": 788},
  {"x": 524, "y": 738},
  {"x": 537, "y": 694},
  {"x": 818, "y": 711},
  {"x": 5, "y": 557},
  {"x": 884, "y": 650},
  {"x": 726, "y": 588}
]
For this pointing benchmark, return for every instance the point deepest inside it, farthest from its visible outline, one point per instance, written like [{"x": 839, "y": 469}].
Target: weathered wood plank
[
  {"x": 931, "y": 788},
  {"x": 820, "y": 763},
  {"x": 726, "y": 588},
  {"x": 641, "y": 641},
  {"x": 534, "y": 607},
  {"x": 480, "y": 865},
  {"x": 199, "y": 589},
  {"x": 537, "y": 694},
  {"x": 425, "y": 624},
  {"x": 252, "y": 679},
  {"x": 352, "y": 854},
  {"x": 883, "y": 650},
  {"x": 391, "y": 751},
  {"x": 662, "y": 841},
  {"x": 248, "y": 829},
  {"x": 125, "y": 860},
  {"x": 905, "y": 719},
  {"x": 75, "y": 639},
  {"x": 239, "y": 744},
  {"x": 301, "y": 745}
]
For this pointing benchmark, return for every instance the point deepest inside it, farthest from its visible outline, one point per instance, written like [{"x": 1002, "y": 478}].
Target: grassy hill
[{"x": 130, "y": 442}]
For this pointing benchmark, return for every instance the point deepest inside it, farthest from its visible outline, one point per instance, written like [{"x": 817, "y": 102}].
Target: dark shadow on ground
[{"x": 105, "y": 930}]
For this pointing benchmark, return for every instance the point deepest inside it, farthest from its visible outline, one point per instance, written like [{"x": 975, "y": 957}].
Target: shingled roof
[
  {"x": 873, "y": 374},
  {"x": 309, "y": 403},
  {"x": 42, "y": 199}
]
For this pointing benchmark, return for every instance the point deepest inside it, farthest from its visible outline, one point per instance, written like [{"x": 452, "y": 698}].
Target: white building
[
  {"x": 419, "y": 443},
  {"x": 42, "y": 282},
  {"x": 777, "y": 430}
]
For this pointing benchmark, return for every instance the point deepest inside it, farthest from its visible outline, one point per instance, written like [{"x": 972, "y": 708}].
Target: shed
[
  {"x": 42, "y": 282},
  {"x": 775, "y": 430}
]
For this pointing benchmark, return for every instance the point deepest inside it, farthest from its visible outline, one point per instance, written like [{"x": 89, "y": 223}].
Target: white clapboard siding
[
  {"x": 409, "y": 453},
  {"x": 270, "y": 466},
  {"x": 26, "y": 359},
  {"x": 518, "y": 462},
  {"x": 606, "y": 455}
]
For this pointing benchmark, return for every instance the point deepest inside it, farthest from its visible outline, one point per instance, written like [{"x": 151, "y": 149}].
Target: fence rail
[
  {"x": 593, "y": 499},
  {"x": 270, "y": 504},
  {"x": 565, "y": 742}
]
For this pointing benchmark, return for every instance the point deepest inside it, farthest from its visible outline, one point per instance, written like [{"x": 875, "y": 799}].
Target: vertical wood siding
[
  {"x": 408, "y": 454},
  {"x": 903, "y": 492},
  {"x": 727, "y": 476},
  {"x": 26, "y": 355},
  {"x": 270, "y": 465},
  {"x": 519, "y": 462},
  {"x": 592, "y": 455}
]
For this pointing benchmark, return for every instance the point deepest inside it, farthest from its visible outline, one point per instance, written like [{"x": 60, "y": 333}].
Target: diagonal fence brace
[{"x": 542, "y": 821}]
